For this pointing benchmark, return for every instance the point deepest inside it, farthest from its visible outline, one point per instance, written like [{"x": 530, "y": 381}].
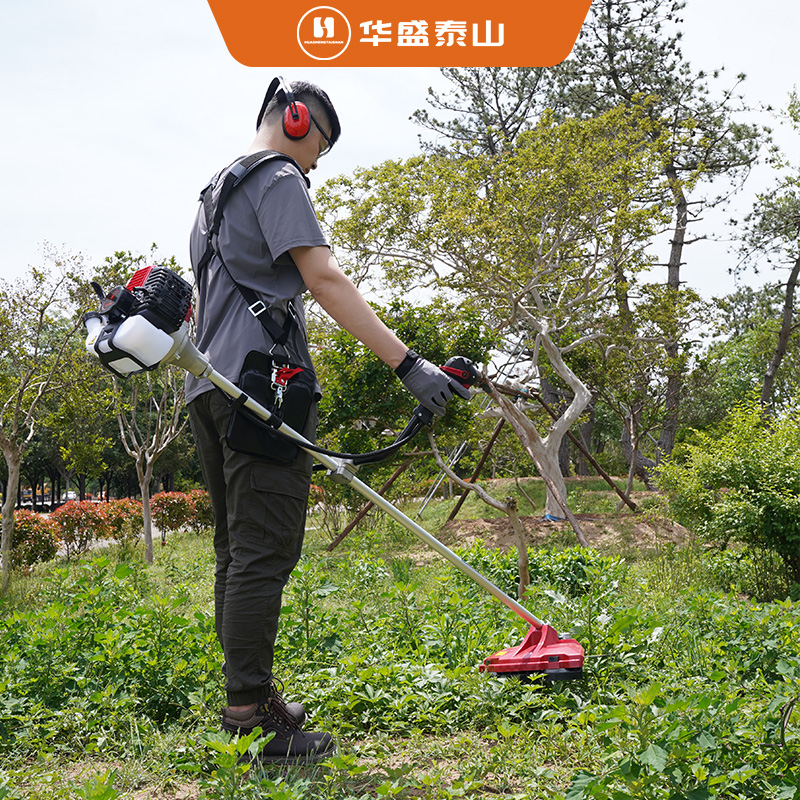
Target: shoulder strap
[
  {"x": 214, "y": 201},
  {"x": 213, "y": 206}
]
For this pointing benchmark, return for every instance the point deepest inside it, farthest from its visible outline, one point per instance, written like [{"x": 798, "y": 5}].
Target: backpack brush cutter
[{"x": 144, "y": 325}]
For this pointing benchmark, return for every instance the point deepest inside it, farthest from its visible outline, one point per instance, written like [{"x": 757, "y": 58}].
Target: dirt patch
[
  {"x": 81, "y": 773},
  {"x": 180, "y": 793},
  {"x": 604, "y": 532}
]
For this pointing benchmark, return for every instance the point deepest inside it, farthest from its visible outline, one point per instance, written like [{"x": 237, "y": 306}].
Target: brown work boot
[
  {"x": 290, "y": 744},
  {"x": 297, "y": 710}
]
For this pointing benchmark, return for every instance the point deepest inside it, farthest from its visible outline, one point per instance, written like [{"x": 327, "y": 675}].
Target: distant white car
[{"x": 69, "y": 496}]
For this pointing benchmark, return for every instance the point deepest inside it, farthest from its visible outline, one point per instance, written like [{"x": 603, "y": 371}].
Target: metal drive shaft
[{"x": 188, "y": 357}]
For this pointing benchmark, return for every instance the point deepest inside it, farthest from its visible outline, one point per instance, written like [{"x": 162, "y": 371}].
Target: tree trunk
[
  {"x": 585, "y": 432},
  {"x": 544, "y": 451},
  {"x": 640, "y": 466},
  {"x": 783, "y": 337},
  {"x": 545, "y": 456},
  {"x": 145, "y": 474},
  {"x": 628, "y": 483},
  {"x": 53, "y": 478},
  {"x": 669, "y": 428},
  {"x": 549, "y": 464},
  {"x": 522, "y": 547},
  {"x": 631, "y": 432},
  {"x": 564, "y": 458},
  {"x": 13, "y": 459},
  {"x": 553, "y": 399}
]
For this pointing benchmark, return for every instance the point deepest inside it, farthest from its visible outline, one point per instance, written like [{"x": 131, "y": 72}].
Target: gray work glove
[{"x": 430, "y": 385}]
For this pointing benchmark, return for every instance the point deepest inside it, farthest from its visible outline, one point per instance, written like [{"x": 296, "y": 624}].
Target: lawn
[{"x": 111, "y": 687}]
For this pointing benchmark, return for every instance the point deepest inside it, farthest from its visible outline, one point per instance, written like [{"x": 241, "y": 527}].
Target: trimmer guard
[{"x": 542, "y": 652}]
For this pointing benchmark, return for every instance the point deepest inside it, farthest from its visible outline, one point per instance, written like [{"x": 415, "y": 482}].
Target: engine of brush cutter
[{"x": 132, "y": 330}]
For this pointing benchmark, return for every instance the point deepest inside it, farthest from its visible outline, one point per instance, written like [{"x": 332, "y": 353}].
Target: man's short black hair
[{"x": 315, "y": 98}]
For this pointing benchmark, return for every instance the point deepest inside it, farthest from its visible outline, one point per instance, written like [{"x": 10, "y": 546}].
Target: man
[{"x": 269, "y": 242}]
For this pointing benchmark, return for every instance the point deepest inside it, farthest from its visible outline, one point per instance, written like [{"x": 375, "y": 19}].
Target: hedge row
[{"x": 74, "y": 526}]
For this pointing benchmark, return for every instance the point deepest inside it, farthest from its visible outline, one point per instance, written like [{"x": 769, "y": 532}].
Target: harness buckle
[{"x": 257, "y": 308}]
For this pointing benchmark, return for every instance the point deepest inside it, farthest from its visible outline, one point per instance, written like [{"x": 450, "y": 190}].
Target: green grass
[{"x": 109, "y": 676}]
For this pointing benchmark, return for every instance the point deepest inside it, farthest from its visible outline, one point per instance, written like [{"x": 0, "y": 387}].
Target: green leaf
[
  {"x": 507, "y": 729},
  {"x": 706, "y": 741},
  {"x": 647, "y": 697},
  {"x": 580, "y": 783},
  {"x": 786, "y": 669},
  {"x": 655, "y": 757}
]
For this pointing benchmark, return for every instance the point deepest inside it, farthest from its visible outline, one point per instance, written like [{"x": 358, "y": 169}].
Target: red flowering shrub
[
  {"x": 79, "y": 523},
  {"x": 35, "y": 538},
  {"x": 316, "y": 494},
  {"x": 123, "y": 519},
  {"x": 171, "y": 511},
  {"x": 203, "y": 515}
]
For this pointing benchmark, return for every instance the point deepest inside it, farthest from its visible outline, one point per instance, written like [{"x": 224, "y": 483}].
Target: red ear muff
[
  {"x": 296, "y": 119},
  {"x": 296, "y": 116}
]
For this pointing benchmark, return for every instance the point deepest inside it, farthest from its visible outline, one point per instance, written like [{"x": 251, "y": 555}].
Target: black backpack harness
[
  {"x": 286, "y": 389},
  {"x": 213, "y": 197},
  {"x": 247, "y": 438}
]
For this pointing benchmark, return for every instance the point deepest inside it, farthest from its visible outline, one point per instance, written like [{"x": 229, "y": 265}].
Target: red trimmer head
[{"x": 542, "y": 652}]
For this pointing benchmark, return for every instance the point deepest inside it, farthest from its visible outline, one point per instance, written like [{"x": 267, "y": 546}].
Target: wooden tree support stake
[
  {"x": 367, "y": 506},
  {"x": 478, "y": 468}
]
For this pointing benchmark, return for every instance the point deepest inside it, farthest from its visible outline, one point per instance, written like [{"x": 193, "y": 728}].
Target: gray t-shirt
[{"x": 264, "y": 217}]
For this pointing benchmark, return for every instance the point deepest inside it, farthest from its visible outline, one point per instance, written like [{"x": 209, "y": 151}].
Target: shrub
[
  {"x": 753, "y": 571},
  {"x": 742, "y": 484},
  {"x": 203, "y": 515},
  {"x": 572, "y": 571},
  {"x": 79, "y": 523},
  {"x": 35, "y": 538},
  {"x": 123, "y": 519},
  {"x": 171, "y": 510},
  {"x": 108, "y": 654}
]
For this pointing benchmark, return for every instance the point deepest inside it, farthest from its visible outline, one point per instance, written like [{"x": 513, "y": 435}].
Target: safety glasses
[{"x": 325, "y": 150}]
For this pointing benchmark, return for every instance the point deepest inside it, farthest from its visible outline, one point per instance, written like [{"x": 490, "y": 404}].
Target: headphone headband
[
  {"x": 273, "y": 87},
  {"x": 278, "y": 84}
]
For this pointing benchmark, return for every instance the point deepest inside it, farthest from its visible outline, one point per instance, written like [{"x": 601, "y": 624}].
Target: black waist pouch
[{"x": 285, "y": 389}]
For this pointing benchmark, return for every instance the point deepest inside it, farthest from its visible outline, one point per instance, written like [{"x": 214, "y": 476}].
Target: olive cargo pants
[{"x": 259, "y": 523}]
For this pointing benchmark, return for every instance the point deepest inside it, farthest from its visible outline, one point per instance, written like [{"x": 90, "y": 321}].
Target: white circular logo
[{"x": 323, "y": 33}]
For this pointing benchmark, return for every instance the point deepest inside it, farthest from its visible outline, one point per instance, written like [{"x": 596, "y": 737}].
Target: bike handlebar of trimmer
[{"x": 460, "y": 369}]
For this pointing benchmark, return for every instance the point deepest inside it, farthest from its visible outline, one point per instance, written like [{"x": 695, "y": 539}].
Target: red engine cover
[{"x": 139, "y": 279}]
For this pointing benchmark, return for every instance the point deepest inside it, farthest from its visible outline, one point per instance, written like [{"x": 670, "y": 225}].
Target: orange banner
[{"x": 439, "y": 33}]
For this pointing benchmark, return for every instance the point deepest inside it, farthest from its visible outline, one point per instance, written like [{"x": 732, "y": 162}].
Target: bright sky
[{"x": 116, "y": 113}]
